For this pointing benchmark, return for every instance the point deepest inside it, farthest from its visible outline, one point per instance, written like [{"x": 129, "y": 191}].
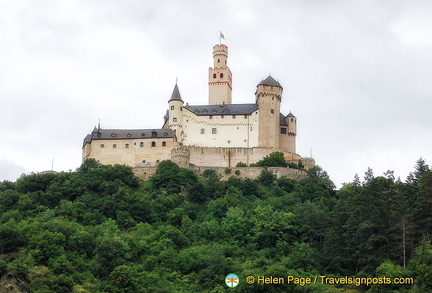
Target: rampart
[{"x": 241, "y": 172}]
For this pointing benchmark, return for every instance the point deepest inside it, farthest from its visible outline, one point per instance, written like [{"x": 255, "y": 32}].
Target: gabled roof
[
  {"x": 175, "y": 94},
  {"x": 112, "y": 134},
  {"x": 270, "y": 81},
  {"x": 230, "y": 109}
]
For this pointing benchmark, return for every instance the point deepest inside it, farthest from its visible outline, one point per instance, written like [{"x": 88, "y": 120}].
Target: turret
[
  {"x": 220, "y": 77},
  {"x": 288, "y": 133},
  {"x": 268, "y": 97},
  {"x": 175, "y": 113}
]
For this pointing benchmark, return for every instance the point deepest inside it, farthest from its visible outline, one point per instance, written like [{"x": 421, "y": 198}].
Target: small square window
[
  {"x": 211, "y": 117},
  {"x": 127, "y": 145},
  {"x": 172, "y": 107},
  {"x": 234, "y": 117},
  {"x": 214, "y": 130},
  {"x": 202, "y": 130},
  {"x": 283, "y": 130},
  {"x": 174, "y": 119}
]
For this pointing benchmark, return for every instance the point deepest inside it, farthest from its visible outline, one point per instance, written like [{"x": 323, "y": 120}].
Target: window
[
  {"x": 214, "y": 75},
  {"x": 222, "y": 116},
  {"x": 233, "y": 116},
  {"x": 113, "y": 135},
  {"x": 292, "y": 119},
  {"x": 202, "y": 130},
  {"x": 272, "y": 111},
  {"x": 211, "y": 117},
  {"x": 127, "y": 145},
  {"x": 172, "y": 107},
  {"x": 229, "y": 141},
  {"x": 129, "y": 135},
  {"x": 245, "y": 116},
  {"x": 164, "y": 143},
  {"x": 283, "y": 130},
  {"x": 174, "y": 119},
  {"x": 153, "y": 144},
  {"x": 218, "y": 60},
  {"x": 102, "y": 146},
  {"x": 114, "y": 146},
  {"x": 214, "y": 130},
  {"x": 221, "y": 75},
  {"x": 141, "y": 144}
]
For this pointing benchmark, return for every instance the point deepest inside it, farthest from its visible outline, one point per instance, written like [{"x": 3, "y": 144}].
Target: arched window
[
  {"x": 153, "y": 144},
  {"x": 141, "y": 144},
  {"x": 221, "y": 75},
  {"x": 164, "y": 143},
  {"x": 102, "y": 146},
  {"x": 114, "y": 146},
  {"x": 214, "y": 75},
  {"x": 127, "y": 145}
]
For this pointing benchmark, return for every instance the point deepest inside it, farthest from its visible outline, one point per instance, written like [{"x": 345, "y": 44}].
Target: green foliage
[
  {"x": 275, "y": 159},
  {"x": 99, "y": 229},
  {"x": 241, "y": 164}
]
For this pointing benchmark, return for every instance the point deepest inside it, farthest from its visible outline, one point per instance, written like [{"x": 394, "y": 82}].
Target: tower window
[
  {"x": 174, "y": 119},
  {"x": 153, "y": 144},
  {"x": 214, "y": 130},
  {"x": 202, "y": 130},
  {"x": 164, "y": 143},
  {"x": 292, "y": 119},
  {"x": 283, "y": 130},
  {"x": 210, "y": 116},
  {"x": 245, "y": 116},
  {"x": 233, "y": 116},
  {"x": 172, "y": 107},
  {"x": 214, "y": 75},
  {"x": 272, "y": 111},
  {"x": 221, "y": 75},
  {"x": 222, "y": 116},
  {"x": 218, "y": 60}
]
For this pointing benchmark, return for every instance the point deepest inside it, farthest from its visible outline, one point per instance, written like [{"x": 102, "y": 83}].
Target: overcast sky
[{"x": 356, "y": 74}]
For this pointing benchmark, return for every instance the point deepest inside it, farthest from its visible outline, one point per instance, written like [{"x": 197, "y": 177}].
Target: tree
[{"x": 275, "y": 159}]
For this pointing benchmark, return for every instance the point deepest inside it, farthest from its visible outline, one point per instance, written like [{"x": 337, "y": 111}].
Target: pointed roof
[
  {"x": 175, "y": 94},
  {"x": 290, "y": 115},
  {"x": 270, "y": 81}
]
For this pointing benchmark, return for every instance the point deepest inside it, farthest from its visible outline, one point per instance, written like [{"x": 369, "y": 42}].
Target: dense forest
[{"x": 100, "y": 229}]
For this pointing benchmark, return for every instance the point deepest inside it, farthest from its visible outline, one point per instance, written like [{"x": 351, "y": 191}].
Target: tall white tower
[{"x": 220, "y": 77}]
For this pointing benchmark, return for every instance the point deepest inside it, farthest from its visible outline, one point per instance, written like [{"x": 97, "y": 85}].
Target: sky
[{"x": 356, "y": 74}]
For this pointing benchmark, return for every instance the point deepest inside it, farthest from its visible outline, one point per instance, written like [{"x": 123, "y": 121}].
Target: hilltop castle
[{"x": 220, "y": 134}]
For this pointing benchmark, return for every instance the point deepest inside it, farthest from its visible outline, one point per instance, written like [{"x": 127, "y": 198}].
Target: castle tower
[
  {"x": 268, "y": 97},
  {"x": 220, "y": 77},
  {"x": 175, "y": 113},
  {"x": 288, "y": 134}
]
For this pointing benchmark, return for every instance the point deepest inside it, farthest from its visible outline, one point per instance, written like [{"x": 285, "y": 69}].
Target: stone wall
[{"x": 243, "y": 172}]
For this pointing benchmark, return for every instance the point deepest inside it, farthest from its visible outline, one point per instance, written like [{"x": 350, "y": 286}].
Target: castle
[{"x": 220, "y": 134}]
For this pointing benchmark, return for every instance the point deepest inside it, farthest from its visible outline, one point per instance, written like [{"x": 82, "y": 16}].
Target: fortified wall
[{"x": 241, "y": 172}]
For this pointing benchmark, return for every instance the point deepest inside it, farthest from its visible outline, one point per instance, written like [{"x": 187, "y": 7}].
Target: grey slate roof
[
  {"x": 231, "y": 109},
  {"x": 290, "y": 115},
  {"x": 282, "y": 121},
  {"x": 175, "y": 94},
  {"x": 270, "y": 81},
  {"x": 108, "y": 134}
]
